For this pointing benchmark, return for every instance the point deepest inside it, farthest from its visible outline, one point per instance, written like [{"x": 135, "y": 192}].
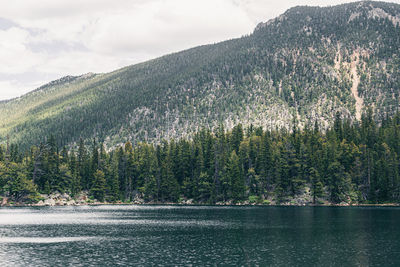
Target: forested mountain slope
[{"x": 301, "y": 67}]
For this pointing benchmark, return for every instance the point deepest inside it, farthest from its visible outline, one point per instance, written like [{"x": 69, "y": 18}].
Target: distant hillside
[{"x": 303, "y": 66}]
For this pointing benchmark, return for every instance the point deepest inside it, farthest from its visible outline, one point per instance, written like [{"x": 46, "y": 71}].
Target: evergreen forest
[{"x": 347, "y": 163}]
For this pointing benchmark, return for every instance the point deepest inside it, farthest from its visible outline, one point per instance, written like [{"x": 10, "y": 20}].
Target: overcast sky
[{"x": 43, "y": 40}]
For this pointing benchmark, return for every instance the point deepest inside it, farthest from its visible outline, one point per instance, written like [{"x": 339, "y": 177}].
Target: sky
[{"x": 44, "y": 40}]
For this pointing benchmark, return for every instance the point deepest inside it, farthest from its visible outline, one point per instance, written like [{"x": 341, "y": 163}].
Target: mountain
[{"x": 302, "y": 67}]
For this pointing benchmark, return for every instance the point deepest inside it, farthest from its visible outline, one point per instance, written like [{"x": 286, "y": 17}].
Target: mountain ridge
[{"x": 299, "y": 67}]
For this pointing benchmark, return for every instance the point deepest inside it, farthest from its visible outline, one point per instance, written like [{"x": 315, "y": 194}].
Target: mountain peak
[{"x": 351, "y": 11}]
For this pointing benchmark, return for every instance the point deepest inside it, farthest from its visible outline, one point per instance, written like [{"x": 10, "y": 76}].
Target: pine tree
[
  {"x": 255, "y": 185},
  {"x": 220, "y": 152},
  {"x": 98, "y": 189},
  {"x": 205, "y": 188},
  {"x": 130, "y": 179},
  {"x": 122, "y": 175},
  {"x": 169, "y": 187},
  {"x": 112, "y": 179},
  {"x": 76, "y": 183},
  {"x": 83, "y": 169},
  {"x": 150, "y": 188},
  {"x": 236, "y": 137},
  {"x": 19, "y": 188},
  {"x": 317, "y": 189},
  {"x": 236, "y": 179},
  {"x": 94, "y": 163},
  {"x": 66, "y": 178},
  {"x": 340, "y": 184}
]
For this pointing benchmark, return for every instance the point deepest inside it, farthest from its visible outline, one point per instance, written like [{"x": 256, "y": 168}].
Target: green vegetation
[
  {"x": 356, "y": 163},
  {"x": 136, "y": 131},
  {"x": 295, "y": 66}
]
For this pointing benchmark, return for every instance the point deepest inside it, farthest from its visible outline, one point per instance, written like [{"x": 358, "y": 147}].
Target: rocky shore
[
  {"x": 63, "y": 199},
  {"x": 57, "y": 199}
]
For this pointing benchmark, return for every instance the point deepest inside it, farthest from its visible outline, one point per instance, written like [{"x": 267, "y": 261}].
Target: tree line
[{"x": 350, "y": 162}]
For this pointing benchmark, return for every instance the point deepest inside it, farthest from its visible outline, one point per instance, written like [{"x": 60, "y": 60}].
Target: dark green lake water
[{"x": 199, "y": 236}]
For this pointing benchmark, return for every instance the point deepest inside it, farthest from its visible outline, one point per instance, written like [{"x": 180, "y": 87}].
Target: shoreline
[
  {"x": 198, "y": 204},
  {"x": 62, "y": 199}
]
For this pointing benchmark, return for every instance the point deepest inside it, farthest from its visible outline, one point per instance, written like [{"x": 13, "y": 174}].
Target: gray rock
[
  {"x": 65, "y": 196},
  {"x": 71, "y": 202},
  {"x": 50, "y": 202}
]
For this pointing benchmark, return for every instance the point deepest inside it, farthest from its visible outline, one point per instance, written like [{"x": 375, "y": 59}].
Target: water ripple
[{"x": 44, "y": 240}]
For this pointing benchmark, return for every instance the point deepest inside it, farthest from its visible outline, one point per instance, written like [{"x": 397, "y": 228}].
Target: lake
[{"x": 199, "y": 235}]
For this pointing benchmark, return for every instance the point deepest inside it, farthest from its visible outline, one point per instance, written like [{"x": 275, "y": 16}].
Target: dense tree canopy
[{"x": 348, "y": 163}]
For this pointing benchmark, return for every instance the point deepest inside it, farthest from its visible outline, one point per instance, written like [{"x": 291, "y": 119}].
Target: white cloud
[
  {"x": 64, "y": 37},
  {"x": 15, "y": 57},
  {"x": 104, "y": 35},
  {"x": 76, "y": 63},
  {"x": 160, "y": 27},
  {"x": 12, "y": 88}
]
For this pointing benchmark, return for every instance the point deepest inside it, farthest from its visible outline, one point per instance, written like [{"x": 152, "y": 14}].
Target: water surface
[{"x": 199, "y": 235}]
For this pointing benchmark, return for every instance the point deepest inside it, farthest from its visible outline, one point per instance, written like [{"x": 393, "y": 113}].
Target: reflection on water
[
  {"x": 44, "y": 239},
  {"x": 188, "y": 235}
]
